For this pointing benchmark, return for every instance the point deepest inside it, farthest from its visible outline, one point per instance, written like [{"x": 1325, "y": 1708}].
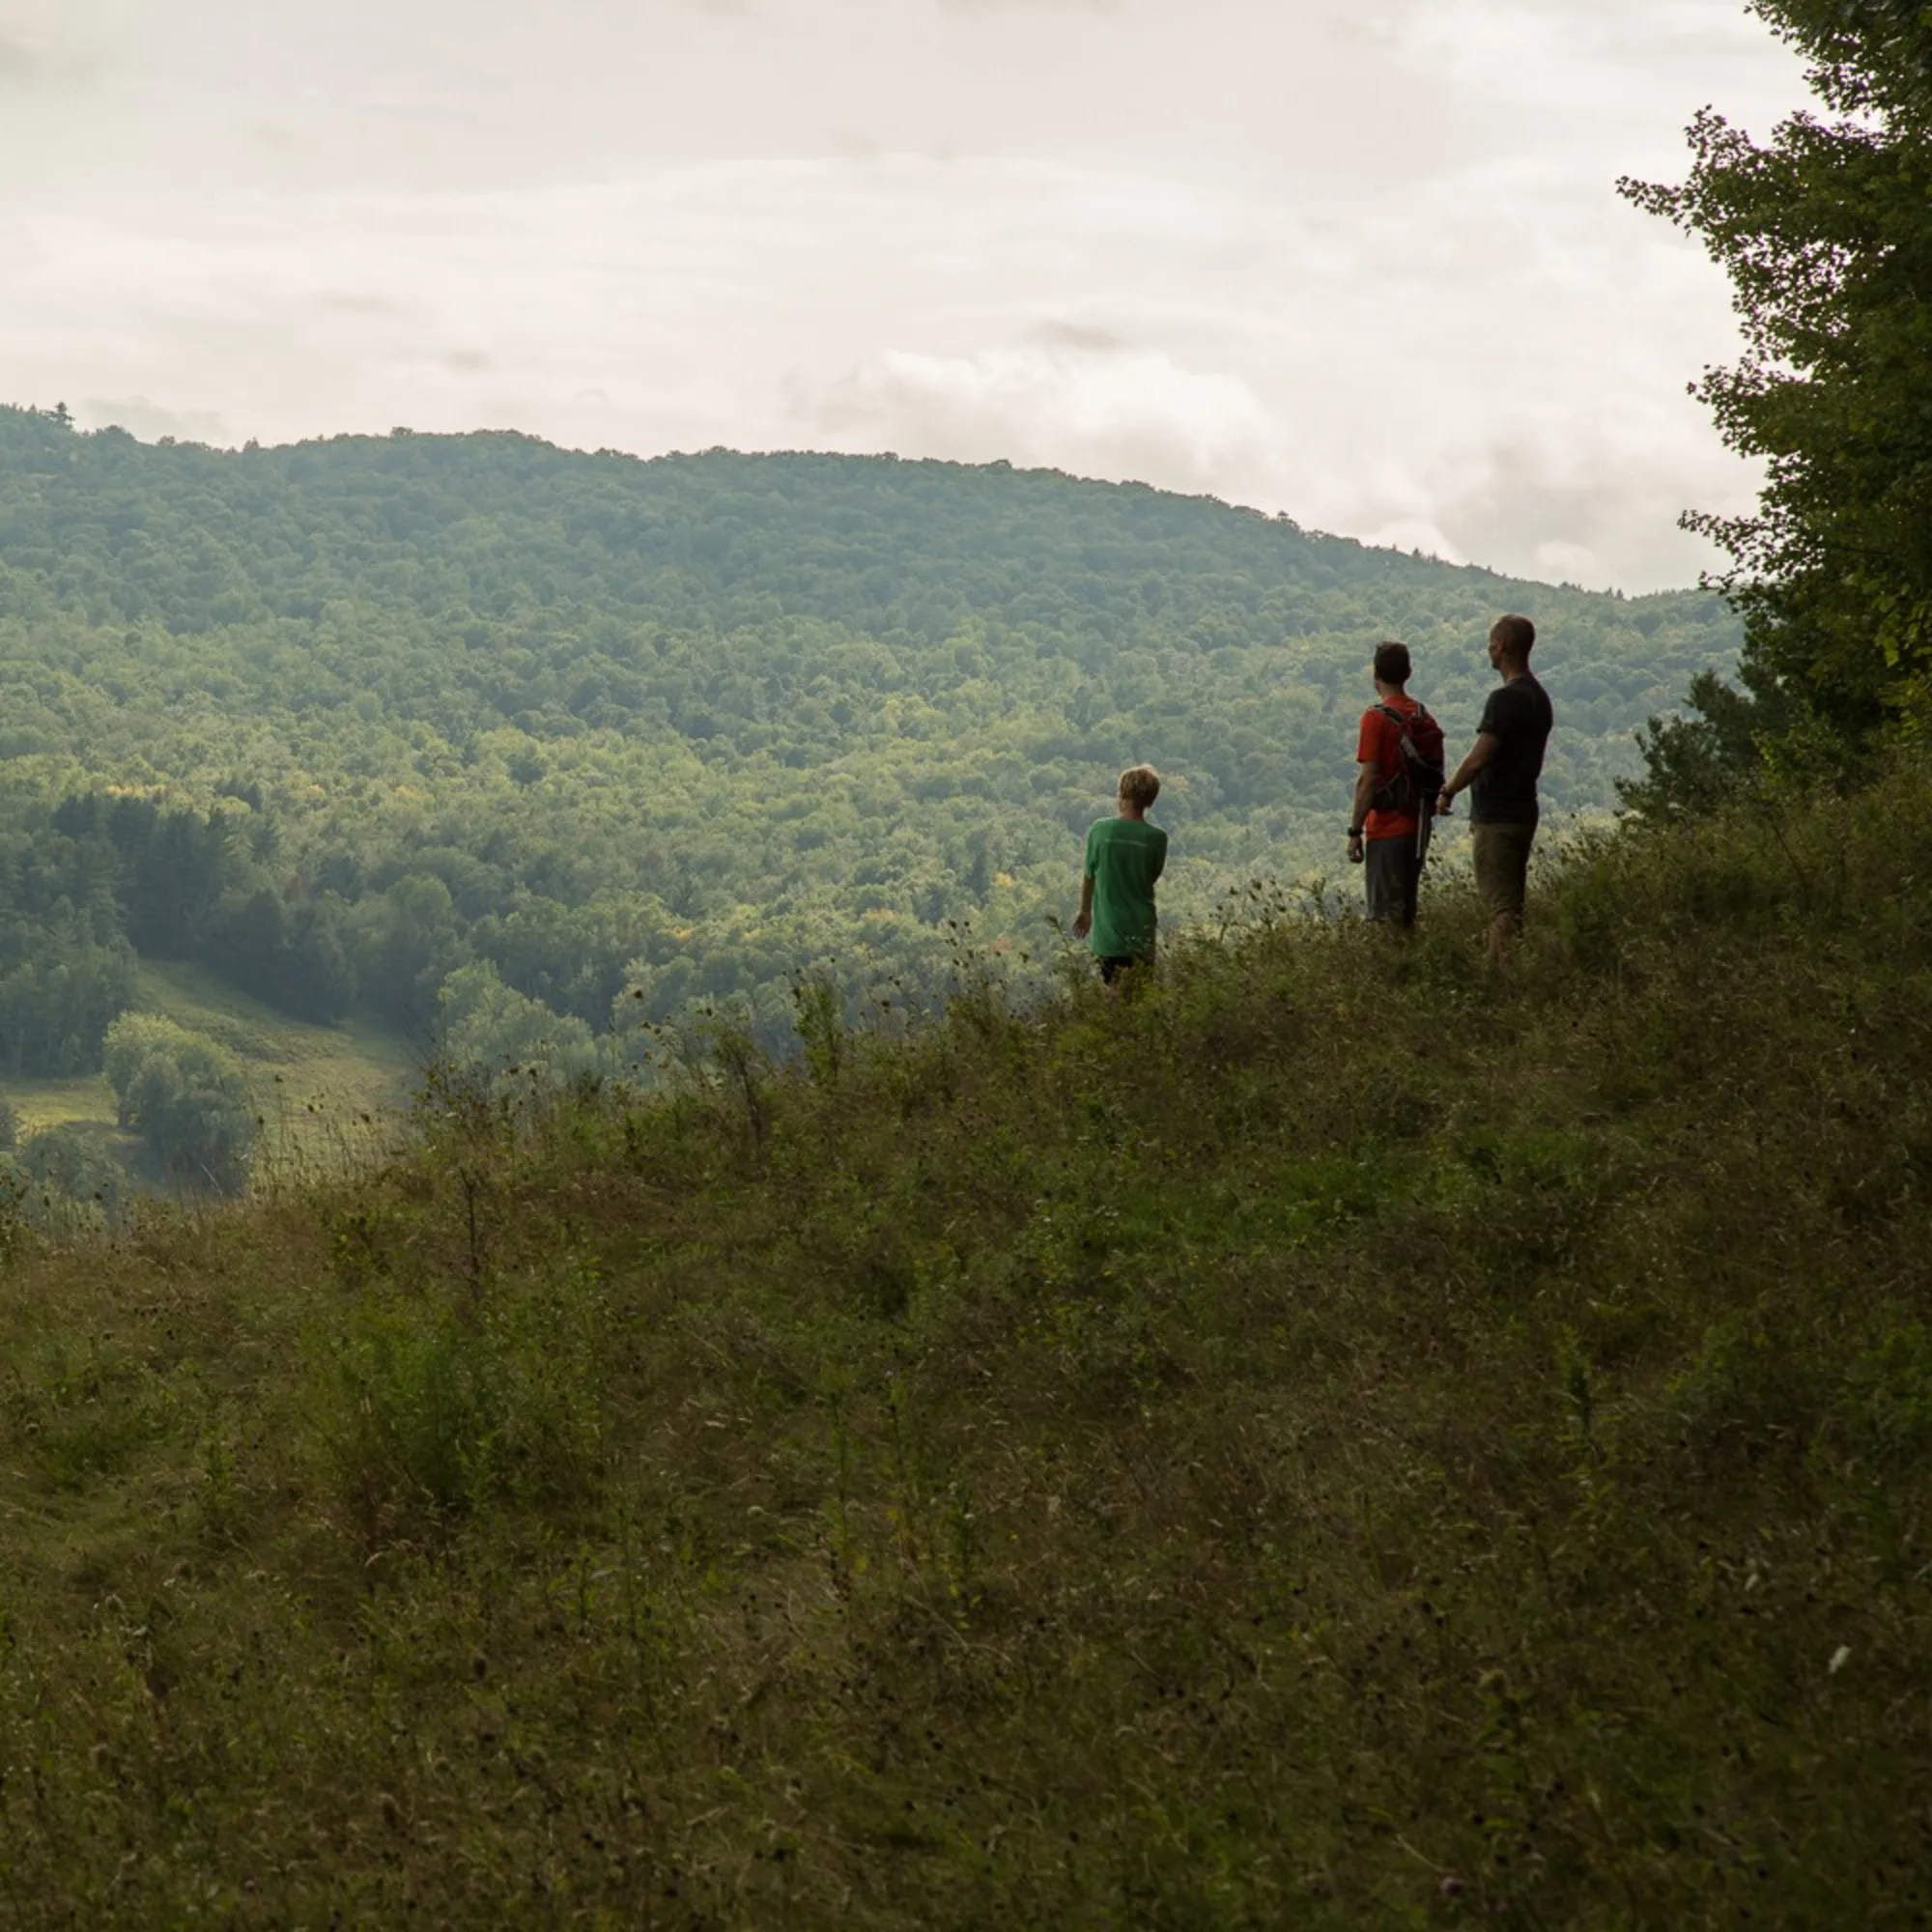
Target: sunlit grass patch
[
  {"x": 305, "y": 1078},
  {"x": 325, "y": 1097}
]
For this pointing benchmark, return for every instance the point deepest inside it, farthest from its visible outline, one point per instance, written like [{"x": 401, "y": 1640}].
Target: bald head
[{"x": 1511, "y": 639}]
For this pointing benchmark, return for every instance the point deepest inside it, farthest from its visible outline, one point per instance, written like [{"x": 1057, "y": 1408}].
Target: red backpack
[{"x": 1416, "y": 783}]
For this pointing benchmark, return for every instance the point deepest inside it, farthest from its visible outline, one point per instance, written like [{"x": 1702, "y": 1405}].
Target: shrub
[
  {"x": 187, "y": 1096},
  {"x": 439, "y": 1409}
]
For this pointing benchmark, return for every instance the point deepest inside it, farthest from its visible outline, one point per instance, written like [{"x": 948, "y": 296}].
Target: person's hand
[
  {"x": 1083, "y": 925},
  {"x": 1354, "y": 848},
  {"x": 1443, "y": 804}
]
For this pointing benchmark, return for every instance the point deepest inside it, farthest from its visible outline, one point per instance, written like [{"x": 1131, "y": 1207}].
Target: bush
[
  {"x": 441, "y": 1409},
  {"x": 187, "y": 1096}
]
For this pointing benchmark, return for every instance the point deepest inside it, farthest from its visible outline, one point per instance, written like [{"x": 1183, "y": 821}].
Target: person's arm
[
  {"x": 1480, "y": 754},
  {"x": 1083, "y": 920},
  {"x": 1367, "y": 771}
]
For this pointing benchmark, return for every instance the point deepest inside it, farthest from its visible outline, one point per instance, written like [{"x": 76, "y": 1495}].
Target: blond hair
[{"x": 1140, "y": 785}]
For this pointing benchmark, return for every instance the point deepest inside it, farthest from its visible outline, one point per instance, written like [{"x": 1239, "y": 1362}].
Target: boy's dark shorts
[
  {"x": 1112, "y": 965},
  {"x": 1394, "y": 874}
]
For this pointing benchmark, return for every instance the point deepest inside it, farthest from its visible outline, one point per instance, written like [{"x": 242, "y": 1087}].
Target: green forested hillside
[{"x": 594, "y": 727}]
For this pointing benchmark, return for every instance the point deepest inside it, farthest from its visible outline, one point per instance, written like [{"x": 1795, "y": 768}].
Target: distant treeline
[{"x": 342, "y": 719}]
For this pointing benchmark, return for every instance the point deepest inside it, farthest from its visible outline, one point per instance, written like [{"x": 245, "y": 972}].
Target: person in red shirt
[{"x": 1385, "y": 823}]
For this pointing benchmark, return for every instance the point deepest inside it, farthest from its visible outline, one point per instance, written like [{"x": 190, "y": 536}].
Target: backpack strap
[
  {"x": 1401, "y": 720},
  {"x": 1387, "y": 794}
]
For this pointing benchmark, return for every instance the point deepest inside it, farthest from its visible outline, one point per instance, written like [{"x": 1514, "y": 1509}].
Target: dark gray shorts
[{"x": 1394, "y": 872}]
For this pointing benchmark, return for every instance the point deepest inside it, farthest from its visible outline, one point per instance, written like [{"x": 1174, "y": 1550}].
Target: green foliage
[
  {"x": 515, "y": 1041},
  {"x": 1891, "y": 1415},
  {"x": 440, "y": 1407},
  {"x": 186, "y": 1096},
  {"x": 1825, "y": 235},
  {"x": 341, "y": 719},
  {"x": 65, "y": 968},
  {"x": 1694, "y": 763},
  {"x": 61, "y": 1181}
]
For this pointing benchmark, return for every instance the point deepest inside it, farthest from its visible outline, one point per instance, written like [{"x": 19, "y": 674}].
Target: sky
[{"x": 1360, "y": 261}]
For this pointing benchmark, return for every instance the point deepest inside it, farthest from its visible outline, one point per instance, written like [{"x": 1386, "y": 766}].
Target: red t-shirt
[{"x": 1380, "y": 745}]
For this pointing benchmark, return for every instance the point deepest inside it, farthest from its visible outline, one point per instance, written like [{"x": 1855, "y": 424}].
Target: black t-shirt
[{"x": 1518, "y": 716}]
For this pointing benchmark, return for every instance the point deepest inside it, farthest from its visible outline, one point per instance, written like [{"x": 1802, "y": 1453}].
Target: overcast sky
[{"x": 1357, "y": 260}]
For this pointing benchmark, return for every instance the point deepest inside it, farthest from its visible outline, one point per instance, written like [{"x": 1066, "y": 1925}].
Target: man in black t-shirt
[{"x": 1500, "y": 774}]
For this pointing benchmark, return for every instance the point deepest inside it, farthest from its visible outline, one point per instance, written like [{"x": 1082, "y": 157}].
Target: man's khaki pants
[{"x": 1501, "y": 852}]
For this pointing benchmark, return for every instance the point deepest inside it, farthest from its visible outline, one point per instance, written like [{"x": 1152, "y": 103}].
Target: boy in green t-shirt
[{"x": 1125, "y": 856}]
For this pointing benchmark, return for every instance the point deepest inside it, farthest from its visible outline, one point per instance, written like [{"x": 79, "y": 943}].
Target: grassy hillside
[
  {"x": 315, "y": 1088},
  {"x": 674, "y": 729},
  {"x": 1338, "y": 1441}
]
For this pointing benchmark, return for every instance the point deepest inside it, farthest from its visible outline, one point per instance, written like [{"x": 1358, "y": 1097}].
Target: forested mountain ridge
[{"x": 471, "y": 721}]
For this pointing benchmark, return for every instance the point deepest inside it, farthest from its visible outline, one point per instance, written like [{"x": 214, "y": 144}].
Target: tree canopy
[
  {"x": 186, "y": 1095},
  {"x": 1826, "y": 232}
]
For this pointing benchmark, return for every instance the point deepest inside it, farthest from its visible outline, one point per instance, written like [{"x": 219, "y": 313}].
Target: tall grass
[{"x": 1342, "y": 1438}]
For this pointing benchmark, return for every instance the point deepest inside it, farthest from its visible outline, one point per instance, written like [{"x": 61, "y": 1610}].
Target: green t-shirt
[{"x": 1124, "y": 857}]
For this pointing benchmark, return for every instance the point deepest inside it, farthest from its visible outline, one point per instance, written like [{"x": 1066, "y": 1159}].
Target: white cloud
[
  {"x": 36, "y": 55},
  {"x": 1364, "y": 268},
  {"x": 1098, "y": 410},
  {"x": 151, "y": 420},
  {"x": 1569, "y": 59}
]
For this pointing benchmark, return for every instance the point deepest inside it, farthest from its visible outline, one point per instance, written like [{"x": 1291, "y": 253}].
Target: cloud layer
[{"x": 1367, "y": 267}]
